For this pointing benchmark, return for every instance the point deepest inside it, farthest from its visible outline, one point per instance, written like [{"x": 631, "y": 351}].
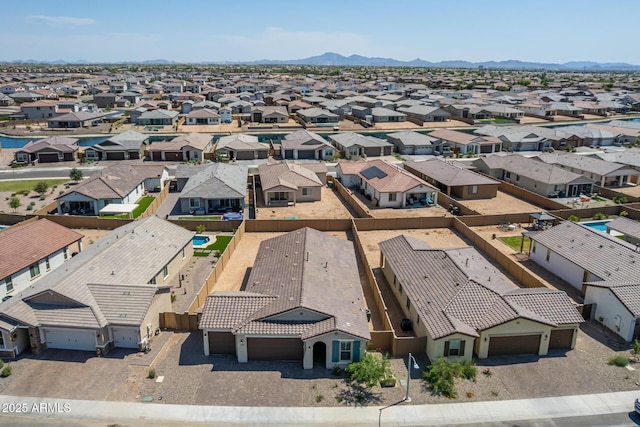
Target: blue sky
[{"x": 434, "y": 30}]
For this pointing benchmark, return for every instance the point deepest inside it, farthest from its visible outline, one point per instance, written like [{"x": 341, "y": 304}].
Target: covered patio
[{"x": 118, "y": 209}]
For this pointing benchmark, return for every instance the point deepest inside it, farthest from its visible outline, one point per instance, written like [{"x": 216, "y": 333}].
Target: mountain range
[{"x": 336, "y": 59}]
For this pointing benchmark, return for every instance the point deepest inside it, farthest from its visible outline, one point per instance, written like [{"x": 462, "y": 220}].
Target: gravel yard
[
  {"x": 330, "y": 206},
  {"x": 503, "y": 203}
]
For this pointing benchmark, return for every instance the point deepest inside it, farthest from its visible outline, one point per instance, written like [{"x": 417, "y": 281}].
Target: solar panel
[{"x": 373, "y": 172}]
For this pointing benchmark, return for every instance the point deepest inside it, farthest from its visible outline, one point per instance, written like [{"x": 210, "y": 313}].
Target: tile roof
[
  {"x": 304, "y": 140},
  {"x": 302, "y": 269},
  {"x": 288, "y": 175},
  {"x": 625, "y": 226},
  {"x": 199, "y": 141},
  {"x": 241, "y": 142},
  {"x": 394, "y": 179},
  {"x": 22, "y": 245},
  {"x": 463, "y": 138},
  {"x": 217, "y": 180},
  {"x": 533, "y": 169},
  {"x": 459, "y": 291},
  {"x": 352, "y": 139},
  {"x": 449, "y": 173},
  {"x": 411, "y": 138},
  {"x": 579, "y": 162}
]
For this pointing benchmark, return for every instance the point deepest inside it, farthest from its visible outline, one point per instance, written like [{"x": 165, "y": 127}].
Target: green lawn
[
  {"x": 210, "y": 218},
  {"x": 516, "y": 241},
  {"x": 28, "y": 184},
  {"x": 220, "y": 244}
]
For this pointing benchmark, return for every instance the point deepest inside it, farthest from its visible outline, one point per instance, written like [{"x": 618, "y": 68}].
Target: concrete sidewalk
[{"x": 399, "y": 415}]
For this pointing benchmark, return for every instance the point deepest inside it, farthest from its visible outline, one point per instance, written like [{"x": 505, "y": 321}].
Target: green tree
[
  {"x": 41, "y": 187},
  {"x": 635, "y": 349},
  {"x": 620, "y": 199},
  {"x": 370, "y": 370},
  {"x": 201, "y": 228},
  {"x": 574, "y": 218},
  {"x": 14, "y": 203},
  {"x": 441, "y": 375},
  {"x": 75, "y": 175}
]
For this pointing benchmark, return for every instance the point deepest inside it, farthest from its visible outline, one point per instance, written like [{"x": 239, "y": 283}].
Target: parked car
[{"x": 637, "y": 406}]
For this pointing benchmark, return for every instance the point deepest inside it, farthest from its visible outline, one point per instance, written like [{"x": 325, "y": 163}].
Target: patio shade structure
[{"x": 118, "y": 208}]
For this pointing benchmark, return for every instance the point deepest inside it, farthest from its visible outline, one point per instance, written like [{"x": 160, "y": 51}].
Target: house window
[
  {"x": 279, "y": 196},
  {"x": 34, "y": 270},
  {"x": 152, "y": 281},
  {"x": 454, "y": 348},
  {"x": 165, "y": 272},
  {"x": 408, "y": 304},
  {"x": 393, "y": 197},
  {"x": 22, "y": 157},
  {"x": 1, "y": 341},
  {"x": 184, "y": 254},
  {"x": 400, "y": 288},
  {"x": 47, "y": 263},
  {"x": 65, "y": 253},
  {"x": 194, "y": 203},
  {"x": 306, "y": 191},
  {"x": 507, "y": 174},
  {"x": 533, "y": 247},
  {"x": 345, "y": 351},
  {"x": 8, "y": 281},
  {"x": 548, "y": 254},
  {"x": 473, "y": 189},
  {"x": 517, "y": 177}
]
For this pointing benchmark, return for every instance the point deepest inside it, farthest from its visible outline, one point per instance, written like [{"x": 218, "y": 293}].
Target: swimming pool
[
  {"x": 598, "y": 225},
  {"x": 2, "y": 227},
  {"x": 200, "y": 240}
]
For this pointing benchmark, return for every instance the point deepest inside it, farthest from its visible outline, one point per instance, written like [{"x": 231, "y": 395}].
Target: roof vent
[{"x": 113, "y": 273}]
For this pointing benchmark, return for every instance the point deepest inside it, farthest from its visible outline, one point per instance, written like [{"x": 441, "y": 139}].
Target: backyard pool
[
  {"x": 598, "y": 225},
  {"x": 2, "y": 227},
  {"x": 200, "y": 240}
]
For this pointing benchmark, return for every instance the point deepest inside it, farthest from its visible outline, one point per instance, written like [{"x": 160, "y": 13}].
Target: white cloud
[{"x": 60, "y": 21}]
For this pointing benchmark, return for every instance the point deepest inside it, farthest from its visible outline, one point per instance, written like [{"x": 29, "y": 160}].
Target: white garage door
[
  {"x": 125, "y": 337},
  {"x": 71, "y": 339}
]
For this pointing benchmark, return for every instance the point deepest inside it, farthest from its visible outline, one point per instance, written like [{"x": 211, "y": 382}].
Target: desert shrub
[
  {"x": 618, "y": 360},
  {"x": 152, "y": 373},
  {"x": 370, "y": 370}
]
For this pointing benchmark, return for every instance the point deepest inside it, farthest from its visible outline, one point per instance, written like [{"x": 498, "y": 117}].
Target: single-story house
[
  {"x": 183, "y": 148},
  {"x": 31, "y": 251},
  {"x": 410, "y": 142},
  {"x": 318, "y": 116},
  {"x": 303, "y": 144},
  {"x": 604, "y": 173},
  {"x": 239, "y": 146},
  {"x": 302, "y": 301},
  {"x": 627, "y": 229},
  {"x": 454, "y": 180},
  {"x": 517, "y": 138},
  {"x": 78, "y": 119},
  {"x": 265, "y": 114},
  {"x": 48, "y": 150},
  {"x": 386, "y": 185},
  {"x": 211, "y": 188},
  {"x": 538, "y": 177},
  {"x": 604, "y": 268},
  {"x": 202, "y": 116},
  {"x": 287, "y": 182},
  {"x": 424, "y": 113},
  {"x": 128, "y": 145},
  {"x": 464, "y": 305},
  {"x": 120, "y": 183},
  {"x": 97, "y": 301},
  {"x": 453, "y": 141},
  {"x": 351, "y": 144},
  {"x": 158, "y": 117},
  {"x": 502, "y": 110}
]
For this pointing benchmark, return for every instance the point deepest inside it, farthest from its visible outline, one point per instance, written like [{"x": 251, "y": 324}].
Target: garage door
[
  {"x": 507, "y": 346},
  {"x": 306, "y": 154},
  {"x": 47, "y": 158},
  {"x": 274, "y": 348},
  {"x": 71, "y": 339},
  {"x": 134, "y": 155},
  {"x": 156, "y": 155},
  {"x": 125, "y": 337},
  {"x": 115, "y": 156},
  {"x": 288, "y": 154},
  {"x": 561, "y": 339},
  {"x": 222, "y": 343},
  {"x": 173, "y": 156}
]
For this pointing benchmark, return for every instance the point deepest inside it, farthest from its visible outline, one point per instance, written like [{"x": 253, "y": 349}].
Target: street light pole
[{"x": 415, "y": 366}]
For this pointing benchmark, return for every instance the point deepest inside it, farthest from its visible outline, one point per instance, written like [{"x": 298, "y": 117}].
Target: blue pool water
[
  {"x": 598, "y": 225},
  {"x": 200, "y": 240},
  {"x": 2, "y": 227}
]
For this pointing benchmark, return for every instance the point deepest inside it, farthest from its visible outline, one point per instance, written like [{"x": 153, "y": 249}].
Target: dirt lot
[
  {"x": 503, "y": 203},
  {"x": 330, "y": 206},
  {"x": 192, "y": 378},
  {"x": 529, "y": 120},
  {"x": 631, "y": 191},
  {"x": 400, "y": 212},
  {"x": 436, "y": 237}
]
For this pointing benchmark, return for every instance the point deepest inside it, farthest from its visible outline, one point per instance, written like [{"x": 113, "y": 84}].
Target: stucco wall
[
  {"x": 607, "y": 306},
  {"x": 558, "y": 265},
  {"x": 161, "y": 304}
]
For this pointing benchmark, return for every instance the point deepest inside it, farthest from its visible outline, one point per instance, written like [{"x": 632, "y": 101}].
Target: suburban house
[
  {"x": 625, "y": 229},
  {"x": 128, "y": 145},
  {"x": 48, "y": 150},
  {"x": 158, "y": 117},
  {"x": 354, "y": 145},
  {"x": 517, "y": 138},
  {"x": 239, "y": 146},
  {"x": 603, "y": 173},
  {"x": 120, "y": 184},
  {"x": 464, "y": 305},
  {"x": 211, "y": 188},
  {"x": 31, "y": 251},
  {"x": 466, "y": 111},
  {"x": 504, "y": 111},
  {"x": 453, "y": 141},
  {"x": 604, "y": 268},
  {"x": 420, "y": 114},
  {"x": 303, "y": 144},
  {"x": 378, "y": 114},
  {"x": 183, "y": 148},
  {"x": 97, "y": 301},
  {"x": 454, "y": 180},
  {"x": 545, "y": 179},
  {"x": 302, "y": 301},
  {"x": 288, "y": 183},
  {"x": 387, "y": 186},
  {"x": 318, "y": 117},
  {"x": 78, "y": 119},
  {"x": 39, "y": 110},
  {"x": 410, "y": 142},
  {"x": 269, "y": 114},
  {"x": 202, "y": 116}
]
